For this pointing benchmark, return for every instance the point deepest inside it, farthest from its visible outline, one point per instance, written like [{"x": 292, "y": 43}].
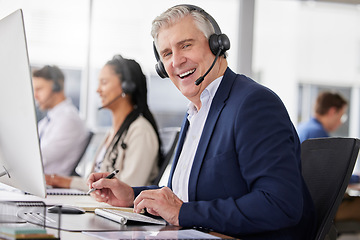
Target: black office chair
[
  {"x": 74, "y": 173},
  {"x": 169, "y": 138},
  {"x": 327, "y": 165},
  {"x": 348, "y": 226}
]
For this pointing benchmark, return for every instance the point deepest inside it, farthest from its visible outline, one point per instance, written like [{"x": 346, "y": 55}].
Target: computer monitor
[{"x": 20, "y": 157}]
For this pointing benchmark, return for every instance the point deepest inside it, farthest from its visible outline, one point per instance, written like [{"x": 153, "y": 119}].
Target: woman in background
[{"x": 132, "y": 145}]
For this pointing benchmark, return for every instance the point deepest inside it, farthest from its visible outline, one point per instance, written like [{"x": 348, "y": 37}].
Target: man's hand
[
  {"x": 58, "y": 181},
  {"x": 161, "y": 202},
  {"x": 111, "y": 191}
]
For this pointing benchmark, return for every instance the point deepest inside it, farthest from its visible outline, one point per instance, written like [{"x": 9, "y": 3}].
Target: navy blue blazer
[{"x": 246, "y": 177}]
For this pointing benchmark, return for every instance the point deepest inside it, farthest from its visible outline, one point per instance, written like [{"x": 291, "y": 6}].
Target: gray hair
[{"x": 175, "y": 14}]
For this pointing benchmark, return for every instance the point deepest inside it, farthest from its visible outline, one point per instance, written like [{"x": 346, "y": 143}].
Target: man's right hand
[{"x": 111, "y": 191}]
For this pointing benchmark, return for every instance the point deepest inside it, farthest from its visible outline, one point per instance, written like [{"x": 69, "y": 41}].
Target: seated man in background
[
  {"x": 329, "y": 115},
  {"x": 62, "y": 133}
]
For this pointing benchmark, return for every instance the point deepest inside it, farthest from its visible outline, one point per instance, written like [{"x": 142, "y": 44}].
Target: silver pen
[{"x": 110, "y": 176}]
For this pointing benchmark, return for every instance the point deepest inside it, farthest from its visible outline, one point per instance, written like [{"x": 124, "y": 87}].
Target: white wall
[
  {"x": 306, "y": 42},
  {"x": 276, "y": 24}
]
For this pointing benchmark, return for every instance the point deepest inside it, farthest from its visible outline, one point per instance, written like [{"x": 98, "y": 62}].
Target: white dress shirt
[
  {"x": 180, "y": 181},
  {"x": 63, "y": 137}
]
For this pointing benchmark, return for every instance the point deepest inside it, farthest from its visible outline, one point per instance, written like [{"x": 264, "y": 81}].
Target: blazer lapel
[
  {"x": 182, "y": 135},
  {"x": 217, "y": 105}
]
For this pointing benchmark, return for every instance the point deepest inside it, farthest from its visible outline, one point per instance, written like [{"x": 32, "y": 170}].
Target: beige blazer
[{"x": 137, "y": 162}]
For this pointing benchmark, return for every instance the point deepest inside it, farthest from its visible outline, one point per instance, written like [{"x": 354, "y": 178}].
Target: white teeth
[{"x": 187, "y": 73}]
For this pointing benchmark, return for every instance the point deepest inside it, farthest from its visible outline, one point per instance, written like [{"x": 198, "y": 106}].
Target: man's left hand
[{"x": 160, "y": 202}]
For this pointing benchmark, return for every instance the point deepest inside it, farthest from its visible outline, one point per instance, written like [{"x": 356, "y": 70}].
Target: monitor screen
[{"x": 20, "y": 157}]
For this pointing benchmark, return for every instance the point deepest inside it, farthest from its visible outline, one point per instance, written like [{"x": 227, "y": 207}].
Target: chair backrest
[
  {"x": 169, "y": 138},
  {"x": 74, "y": 173},
  {"x": 327, "y": 165}
]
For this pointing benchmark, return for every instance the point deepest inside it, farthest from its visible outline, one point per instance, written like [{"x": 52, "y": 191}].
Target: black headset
[
  {"x": 54, "y": 77},
  {"x": 217, "y": 41},
  {"x": 127, "y": 84},
  {"x": 56, "y": 86}
]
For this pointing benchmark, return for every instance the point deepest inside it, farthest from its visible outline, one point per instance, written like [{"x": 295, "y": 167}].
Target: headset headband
[{"x": 205, "y": 14}]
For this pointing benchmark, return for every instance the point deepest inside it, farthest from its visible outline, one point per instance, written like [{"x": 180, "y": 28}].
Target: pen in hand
[{"x": 110, "y": 176}]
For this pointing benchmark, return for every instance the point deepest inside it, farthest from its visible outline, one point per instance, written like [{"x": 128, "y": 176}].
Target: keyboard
[
  {"x": 123, "y": 217},
  {"x": 36, "y": 217}
]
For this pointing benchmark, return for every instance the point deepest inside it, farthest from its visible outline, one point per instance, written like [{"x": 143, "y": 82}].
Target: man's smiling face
[{"x": 186, "y": 55}]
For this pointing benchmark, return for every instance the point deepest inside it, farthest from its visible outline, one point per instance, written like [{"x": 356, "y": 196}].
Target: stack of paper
[{"x": 23, "y": 231}]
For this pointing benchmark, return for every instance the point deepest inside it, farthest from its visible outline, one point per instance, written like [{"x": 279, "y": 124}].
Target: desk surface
[
  {"x": 74, "y": 224},
  {"x": 78, "y": 235}
]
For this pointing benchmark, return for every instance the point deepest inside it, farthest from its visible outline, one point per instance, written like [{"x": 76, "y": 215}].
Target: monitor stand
[
  {"x": 4, "y": 172},
  {"x": 7, "y": 218}
]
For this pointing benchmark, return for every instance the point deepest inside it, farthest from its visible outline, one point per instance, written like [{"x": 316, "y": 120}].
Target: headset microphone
[
  {"x": 110, "y": 102},
  {"x": 200, "y": 79}
]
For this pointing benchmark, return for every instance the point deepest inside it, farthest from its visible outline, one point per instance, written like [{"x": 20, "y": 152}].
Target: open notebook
[{"x": 64, "y": 191}]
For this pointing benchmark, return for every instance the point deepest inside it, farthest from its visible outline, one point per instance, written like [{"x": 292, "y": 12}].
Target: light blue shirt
[{"x": 311, "y": 129}]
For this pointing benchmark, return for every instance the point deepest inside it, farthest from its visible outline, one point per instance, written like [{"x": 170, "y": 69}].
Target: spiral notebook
[{"x": 64, "y": 191}]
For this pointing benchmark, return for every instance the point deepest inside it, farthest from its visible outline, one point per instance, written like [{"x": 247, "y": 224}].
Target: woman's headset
[
  {"x": 217, "y": 41},
  {"x": 127, "y": 84}
]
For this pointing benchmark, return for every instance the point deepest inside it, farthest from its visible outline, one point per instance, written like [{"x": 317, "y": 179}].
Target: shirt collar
[
  {"x": 206, "y": 96},
  {"x": 51, "y": 112}
]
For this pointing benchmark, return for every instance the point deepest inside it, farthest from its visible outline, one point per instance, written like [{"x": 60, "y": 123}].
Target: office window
[{"x": 307, "y": 42}]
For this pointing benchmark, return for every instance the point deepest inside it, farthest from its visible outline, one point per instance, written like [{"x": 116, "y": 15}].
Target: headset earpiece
[
  {"x": 128, "y": 87},
  {"x": 160, "y": 69},
  {"x": 56, "y": 86},
  {"x": 54, "y": 77},
  {"x": 127, "y": 84},
  {"x": 219, "y": 41},
  {"x": 159, "y": 66}
]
